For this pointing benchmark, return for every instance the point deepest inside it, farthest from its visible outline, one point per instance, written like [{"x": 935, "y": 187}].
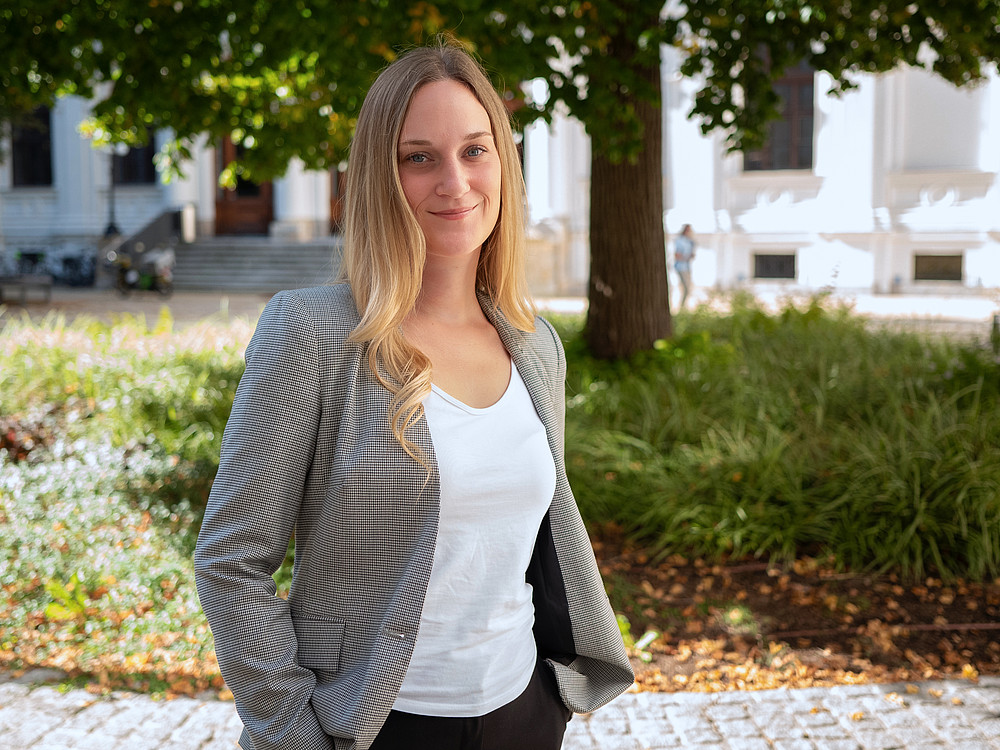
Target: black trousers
[{"x": 535, "y": 720}]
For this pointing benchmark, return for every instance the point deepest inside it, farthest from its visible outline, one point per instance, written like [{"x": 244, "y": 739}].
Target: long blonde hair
[{"x": 384, "y": 248}]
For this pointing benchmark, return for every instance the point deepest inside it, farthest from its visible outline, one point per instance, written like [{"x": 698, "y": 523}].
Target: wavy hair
[{"x": 384, "y": 248}]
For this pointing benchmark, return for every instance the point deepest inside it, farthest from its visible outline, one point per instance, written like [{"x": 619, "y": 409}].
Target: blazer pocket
[{"x": 318, "y": 642}]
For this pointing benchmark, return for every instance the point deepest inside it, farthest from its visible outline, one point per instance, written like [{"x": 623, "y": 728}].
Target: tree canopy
[
  {"x": 286, "y": 79},
  {"x": 739, "y": 47}
]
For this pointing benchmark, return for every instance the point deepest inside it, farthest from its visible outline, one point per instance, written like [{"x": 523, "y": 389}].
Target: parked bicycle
[{"x": 152, "y": 271}]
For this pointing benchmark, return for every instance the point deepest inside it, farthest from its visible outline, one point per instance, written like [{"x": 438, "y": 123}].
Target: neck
[{"x": 448, "y": 289}]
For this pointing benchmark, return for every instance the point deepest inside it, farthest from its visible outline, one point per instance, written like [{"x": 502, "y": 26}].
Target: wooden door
[{"x": 246, "y": 209}]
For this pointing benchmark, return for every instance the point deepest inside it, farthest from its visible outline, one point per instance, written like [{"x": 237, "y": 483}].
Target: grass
[
  {"x": 802, "y": 432},
  {"x": 749, "y": 435}
]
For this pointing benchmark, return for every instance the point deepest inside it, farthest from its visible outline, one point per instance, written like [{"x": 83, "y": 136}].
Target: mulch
[{"x": 747, "y": 624}]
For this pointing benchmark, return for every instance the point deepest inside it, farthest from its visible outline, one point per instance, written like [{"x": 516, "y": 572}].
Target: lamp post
[{"x": 117, "y": 149}]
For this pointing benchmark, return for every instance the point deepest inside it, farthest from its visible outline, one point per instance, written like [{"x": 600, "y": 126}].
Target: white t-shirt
[{"x": 475, "y": 651}]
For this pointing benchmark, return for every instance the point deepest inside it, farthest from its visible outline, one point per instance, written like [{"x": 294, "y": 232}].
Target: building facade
[{"x": 892, "y": 187}]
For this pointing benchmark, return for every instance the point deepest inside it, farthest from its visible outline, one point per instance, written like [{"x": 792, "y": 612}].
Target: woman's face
[{"x": 450, "y": 168}]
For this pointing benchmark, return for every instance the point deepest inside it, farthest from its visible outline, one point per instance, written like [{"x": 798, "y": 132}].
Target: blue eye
[
  {"x": 476, "y": 151},
  {"x": 416, "y": 158}
]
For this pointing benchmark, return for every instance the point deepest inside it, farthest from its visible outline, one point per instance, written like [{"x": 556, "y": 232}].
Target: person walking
[
  {"x": 684, "y": 247},
  {"x": 406, "y": 425}
]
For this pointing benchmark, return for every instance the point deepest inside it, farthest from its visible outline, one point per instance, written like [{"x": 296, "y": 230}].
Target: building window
[
  {"x": 31, "y": 150},
  {"x": 135, "y": 166},
  {"x": 937, "y": 267},
  {"x": 790, "y": 139},
  {"x": 774, "y": 266}
]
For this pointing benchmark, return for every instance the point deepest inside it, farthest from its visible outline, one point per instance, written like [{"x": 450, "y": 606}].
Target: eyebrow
[{"x": 469, "y": 137}]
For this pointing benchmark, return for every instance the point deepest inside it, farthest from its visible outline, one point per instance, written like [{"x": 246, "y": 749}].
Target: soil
[{"x": 747, "y": 624}]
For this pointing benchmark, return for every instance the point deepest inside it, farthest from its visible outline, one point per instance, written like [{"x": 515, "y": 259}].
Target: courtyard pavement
[{"x": 947, "y": 715}]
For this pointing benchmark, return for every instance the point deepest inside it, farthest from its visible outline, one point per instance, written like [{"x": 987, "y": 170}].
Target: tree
[{"x": 286, "y": 79}]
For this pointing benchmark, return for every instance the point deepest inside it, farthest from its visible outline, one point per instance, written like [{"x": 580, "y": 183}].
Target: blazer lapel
[{"x": 528, "y": 364}]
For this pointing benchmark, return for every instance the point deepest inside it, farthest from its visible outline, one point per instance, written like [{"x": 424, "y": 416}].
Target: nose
[{"x": 454, "y": 182}]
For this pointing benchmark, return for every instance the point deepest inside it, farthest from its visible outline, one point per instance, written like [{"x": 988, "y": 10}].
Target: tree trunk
[{"x": 629, "y": 305}]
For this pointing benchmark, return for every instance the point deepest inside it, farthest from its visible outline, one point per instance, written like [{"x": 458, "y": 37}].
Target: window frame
[
  {"x": 931, "y": 259},
  {"x": 31, "y": 163},
  {"x": 759, "y": 256},
  {"x": 798, "y": 120},
  {"x": 135, "y": 167}
]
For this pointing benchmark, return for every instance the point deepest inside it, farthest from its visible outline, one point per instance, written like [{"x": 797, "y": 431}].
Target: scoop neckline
[{"x": 477, "y": 409}]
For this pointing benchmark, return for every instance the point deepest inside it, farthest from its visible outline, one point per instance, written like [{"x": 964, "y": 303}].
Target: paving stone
[
  {"x": 651, "y": 729},
  {"x": 28, "y": 726},
  {"x": 811, "y": 719},
  {"x": 796, "y": 744},
  {"x": 738, "y": 728},
  {"x": 703, "y": 734},
  {"x": 684, "y": 721},
  {"x": 826, "y": 732},
  {"x": 747, "y": 743},
  {"x": 780, "y": 727},
  {"x": 842, "y": 718},
  {"x": 725, "y": 711},
  {"x": 897, "y": 718},
  {"x": 843, "y": 744},
  {"x": 878, "y": 740}
]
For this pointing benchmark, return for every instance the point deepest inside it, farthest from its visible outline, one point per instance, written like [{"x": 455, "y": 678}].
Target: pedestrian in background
[
  {"x": 407, "y": 425},
  {"x": 684, "y": 247}
]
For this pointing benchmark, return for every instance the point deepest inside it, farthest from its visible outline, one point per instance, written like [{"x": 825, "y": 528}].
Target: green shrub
[
  {"x": 97, "y": 582},
  {"x": 128, "y": 385},
  {"x": 800, "y": 432},
  {"x": 118, "y": 430}
]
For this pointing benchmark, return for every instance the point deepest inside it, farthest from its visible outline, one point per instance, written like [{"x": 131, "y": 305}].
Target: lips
[{"x": 454, "y": 214}]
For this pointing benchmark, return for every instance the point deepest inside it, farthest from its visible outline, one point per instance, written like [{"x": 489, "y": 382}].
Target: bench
[{"x": 25, "y": 281}]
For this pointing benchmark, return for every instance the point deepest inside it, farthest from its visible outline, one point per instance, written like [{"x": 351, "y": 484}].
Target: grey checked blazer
[{"x": 308, "y": 449}]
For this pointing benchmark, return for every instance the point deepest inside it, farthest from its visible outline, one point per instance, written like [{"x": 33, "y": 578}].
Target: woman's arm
[{"x": 267, "y": 451}]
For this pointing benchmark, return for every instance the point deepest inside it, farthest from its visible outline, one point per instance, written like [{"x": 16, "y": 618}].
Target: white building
[{"x": 893, "y": 187}]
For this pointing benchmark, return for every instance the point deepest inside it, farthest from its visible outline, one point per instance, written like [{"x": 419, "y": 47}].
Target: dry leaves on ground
[{"x": 747, "y": 625}]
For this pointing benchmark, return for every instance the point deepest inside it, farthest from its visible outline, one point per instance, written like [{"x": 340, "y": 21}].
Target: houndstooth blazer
[{"x": 308, "y": 449}]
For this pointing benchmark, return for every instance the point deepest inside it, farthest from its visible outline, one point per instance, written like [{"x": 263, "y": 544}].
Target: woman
[
  {"x": 683, "y": 255},
  {"x": 407, "y": 425}
]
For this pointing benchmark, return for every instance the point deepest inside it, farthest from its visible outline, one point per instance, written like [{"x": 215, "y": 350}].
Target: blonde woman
[
  {"x": 684, "y": 247},
  {"x": 407, "y": 426}
]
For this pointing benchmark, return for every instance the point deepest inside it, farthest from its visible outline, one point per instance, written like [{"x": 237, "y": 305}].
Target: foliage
[
  {"x": 132, "y": 385},
  {"x": 797, "y": 433},
  {"x": 286, "y": 80},
  {"x": 746, "y": 625},
  {"x": 97, "y": 581},
  {"x": 739, "y": 48},
  {"x": 116, "y": 431}
]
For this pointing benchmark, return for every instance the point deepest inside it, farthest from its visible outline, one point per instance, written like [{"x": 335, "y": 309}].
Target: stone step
[{"x": 255, "y": 264}]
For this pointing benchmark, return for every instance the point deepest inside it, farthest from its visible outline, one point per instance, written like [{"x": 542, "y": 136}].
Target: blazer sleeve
[{"x": 267, "y": 452}]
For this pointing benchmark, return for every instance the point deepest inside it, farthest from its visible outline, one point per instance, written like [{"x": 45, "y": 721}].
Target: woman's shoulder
[
  {"x": 321, "y": 305},
  {"x": 332, "y": 298},
  {"x": 545, "y": 342},
  {"x": 546, "y": 332},
  {"x": 317, "y": 314}
]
